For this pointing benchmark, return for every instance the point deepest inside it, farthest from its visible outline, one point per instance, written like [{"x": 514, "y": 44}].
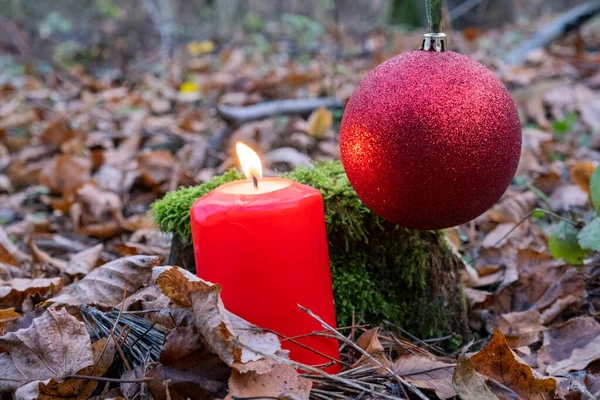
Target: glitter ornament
[{"x": 430, "y": 139}]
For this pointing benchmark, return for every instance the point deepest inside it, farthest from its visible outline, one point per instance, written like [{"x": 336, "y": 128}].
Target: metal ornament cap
[
  {"x": 430, "y": 140},
  {"x": 435, "y": 41}
]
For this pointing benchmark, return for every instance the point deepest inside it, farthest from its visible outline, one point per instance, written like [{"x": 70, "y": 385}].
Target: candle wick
[{"x": 255, "y": 180}]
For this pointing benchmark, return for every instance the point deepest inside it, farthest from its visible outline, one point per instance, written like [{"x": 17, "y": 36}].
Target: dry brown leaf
[
  {"x": 100, "y": 204},
  {"x": 468, "y": 384},
  {"x": 497, "y": 361},
  {"x": 289, "y": 156},
  {"x": 18, "y": 119},
  {"x": 427, "y": 373},
  {"x": 126, "y": 151},
  {"x": 226, "y": 334},
  {"x": 193, "y": 371},
  {"x": 105, "y": 285},
  {"x": 281, "y": 380},
  {"x": 7, "y": 315},
  {"x": 9, "y": 253},
  {"x": 42, "y": 257},
  {"x": 57, "y": 131},
  {"x": 156, "y": 167},
  {"x": 568, "y": 197},
  {"x": 73, "y": 389},
  {"x": 319, "y": 122},
  {"x": 369, "y": 342},
  {"x": 84, "y": 261},
  {"x": 513, "y": 208},
  {"x": 499, "y": 233},
  {"x": 137, "y": 222},
  {"x": 570, "y": 346},
  {"x": 570, "y": 283},
  {"x": 13, "y": 292},
  {"x": 581, "y": 173},
  {"x": 521, "y": 328},
  {"x": 55, "y": 345},
  {"x": 65, "y": 173}
]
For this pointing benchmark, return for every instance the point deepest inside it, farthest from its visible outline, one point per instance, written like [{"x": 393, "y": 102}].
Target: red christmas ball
[{"x": 430, "y": 140}]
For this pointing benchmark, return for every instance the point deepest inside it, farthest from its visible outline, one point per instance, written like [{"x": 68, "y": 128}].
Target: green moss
[
  {"x": 172, "y": 212},
  {"x": 379, "y": 270}
]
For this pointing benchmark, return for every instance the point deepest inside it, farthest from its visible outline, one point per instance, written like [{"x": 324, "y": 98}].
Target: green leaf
[
  {"x": 564, "y": 244},
  {"x": 589, "y": 237},
  {"x": 595, "y": 189}
]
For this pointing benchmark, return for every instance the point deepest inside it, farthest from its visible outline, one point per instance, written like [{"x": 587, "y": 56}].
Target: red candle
[{"x": 264, "y": 242}]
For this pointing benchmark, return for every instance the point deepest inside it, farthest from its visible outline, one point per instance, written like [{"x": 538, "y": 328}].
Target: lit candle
[{"x": 264, "y": 242}]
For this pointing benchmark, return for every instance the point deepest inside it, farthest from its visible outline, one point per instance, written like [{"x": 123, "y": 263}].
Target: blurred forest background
[{"x": 118, "y": 32}]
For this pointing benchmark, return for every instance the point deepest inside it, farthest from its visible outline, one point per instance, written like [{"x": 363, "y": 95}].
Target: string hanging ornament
[{"x": 430, "y": 139}]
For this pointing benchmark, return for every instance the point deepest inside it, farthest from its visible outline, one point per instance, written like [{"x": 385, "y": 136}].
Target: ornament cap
[{"x": 437, "y": 42}]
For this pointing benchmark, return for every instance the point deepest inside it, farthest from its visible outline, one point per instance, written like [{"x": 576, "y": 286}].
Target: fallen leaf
[
  {"x": 568, "y": 197},
  {"x": 369, "y": 342},
  {"x": 57, "y": 131},
  {"x": 100, "y": 204},
  {"x": 427, "y": 373},
  {"x": 10, "y": 253},
  {"x": 65, "y": 173},
  {"x": 156, "y": 167},
  {"x": 42, "y": 257},
  {"x": 73, "y": 389},
  {"x": 279, "y": 382},
  {"x": 581, "y": 174},
  {"x": 236, "y": 341},
  {"x": 13, "y": 292},
  {"x": 193, "y": 371},
  {"x": 132, "y": 130},
  {"x": 84, "y": 262},
  {"x": 560, "y": 341},
  {"x": 290, "y": 156},
  {"x": 468, "y": 384},
  {"x": 197, "y": 48},
  {"x": 499, "y": 233},
  {"x": 18, "y": 119},
  {"x": 521, "y": 328},
  {"x": 319, "y": 122},
  {"x": 497, "y": 361},
  {"x": 513, "y": 208},
  {"x": 6, "y": 316},
  {"x": 55, "y": 345},
  {"x": 570, "y": 283},
  {"x": 106, "y": 285}
]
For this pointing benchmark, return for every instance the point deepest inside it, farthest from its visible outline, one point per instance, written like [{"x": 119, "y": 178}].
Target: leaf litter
[{"x": 77, "y": 177}]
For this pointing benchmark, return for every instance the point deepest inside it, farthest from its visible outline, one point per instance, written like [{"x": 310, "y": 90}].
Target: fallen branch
[
  {"x": 241, "y": 115},
  {"x": 237, "y": 116},
  {"x": 555, "y": 29}
]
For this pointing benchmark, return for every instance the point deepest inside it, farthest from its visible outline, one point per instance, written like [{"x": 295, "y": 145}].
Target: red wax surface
[{"x": 269, "y": 253}]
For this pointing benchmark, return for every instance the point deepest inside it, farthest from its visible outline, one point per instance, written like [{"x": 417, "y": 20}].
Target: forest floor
[{"x": 84, "y": 154}]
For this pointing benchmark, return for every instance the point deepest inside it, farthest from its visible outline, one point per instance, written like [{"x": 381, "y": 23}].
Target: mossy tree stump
[{"x": 381, "y": 271}]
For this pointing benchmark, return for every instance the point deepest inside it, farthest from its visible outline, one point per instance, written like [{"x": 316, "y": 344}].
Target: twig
[
  {"x": 308, "y": 368},
  {"x": 416, "y": 339},
  {"x": 309, "y": 348},
  {"x": 115, "y": 380},
  {"x": 412, "y": 388},
  {"x": 525, "y": 218},
  {"x": 241, "y": 115}
]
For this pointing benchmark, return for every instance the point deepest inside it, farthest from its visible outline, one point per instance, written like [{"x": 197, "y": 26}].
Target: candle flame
[{"x": 250, "y": 162}]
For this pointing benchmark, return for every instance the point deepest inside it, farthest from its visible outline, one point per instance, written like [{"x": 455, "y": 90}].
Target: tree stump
[{"x": 381, "y": 271}]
